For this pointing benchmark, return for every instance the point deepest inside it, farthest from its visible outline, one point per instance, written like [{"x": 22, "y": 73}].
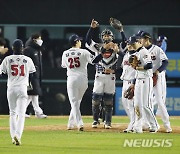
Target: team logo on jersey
[
  {"x": 145, "y": 56},
  {"x": 78, "y": 53},
  {"x": 153, "y": 57},
  {"x": 67, "y": 55},
  {"x": 24, "y": 61},
  {"x": 72, "y": 53},
  {"x": 18, "y": 59},
  {"x": 11, "y": 60}
]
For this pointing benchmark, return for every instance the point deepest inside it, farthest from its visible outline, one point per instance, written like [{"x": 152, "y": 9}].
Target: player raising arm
[
  {"x": 75, "y": 60},
  {"x": 17, "y": 67}
]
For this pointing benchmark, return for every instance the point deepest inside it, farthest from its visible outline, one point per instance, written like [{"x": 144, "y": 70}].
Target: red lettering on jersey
[
  {"x": 74, "y": 62},
  {"x": 15, "y": 70}
]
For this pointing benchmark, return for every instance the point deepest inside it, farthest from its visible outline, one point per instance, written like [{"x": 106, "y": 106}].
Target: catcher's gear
[
  {"x": 116, "y": 24},
  {"x": 129, "y": 93},
  {"x": 155, "y": 78},
  {"x": 108, "y": 49},
  {"x": 106, "y": 32},
  {"x": 133, "y": 61}
]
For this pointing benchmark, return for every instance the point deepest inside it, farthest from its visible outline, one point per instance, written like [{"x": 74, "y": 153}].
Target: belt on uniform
[{"x": 105, "y": 73}]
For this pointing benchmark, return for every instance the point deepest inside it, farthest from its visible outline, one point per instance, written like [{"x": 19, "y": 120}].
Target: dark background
[
  {"x": 131, "y": 12},
  {"x": 163, "y": 13}
]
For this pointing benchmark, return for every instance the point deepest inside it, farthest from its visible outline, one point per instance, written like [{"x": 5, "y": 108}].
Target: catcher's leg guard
[
  {"x": 108, "y": 103},
  {"x": 96, "y": 101}
]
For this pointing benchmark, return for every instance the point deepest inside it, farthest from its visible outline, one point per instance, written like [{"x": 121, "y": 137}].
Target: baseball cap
[
  {"x": 18, "y": 44},
  {"x": 161, "y": 37},
  {"x": 74, "y": 38},
  {"x": 145, "y": 35},
  {"x": 139, "y": 33},
  {"x": 132, "y": 39}
]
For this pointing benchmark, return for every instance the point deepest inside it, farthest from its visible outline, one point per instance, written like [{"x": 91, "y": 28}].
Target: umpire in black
[{"x": 33, "y": 50}]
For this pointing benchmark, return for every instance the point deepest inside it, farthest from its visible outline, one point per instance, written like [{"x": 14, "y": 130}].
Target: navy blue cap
[
  {"x": 145, "y": 35},
  {"x": 132, "y": 39},
  {"x": 161, "y": 37},
  {"x": 18, "y": 44},
  {"x": 73, "y": 38},
  {"x": 139, "y": 33}
]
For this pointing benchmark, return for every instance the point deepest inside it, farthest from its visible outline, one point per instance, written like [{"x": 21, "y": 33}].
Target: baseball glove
[
  {"x": 129, "y": 93},
  {"x": 133, "y": 61},
  {"x": 155, "y": 78},
  {"x": 116, "y": 24}
]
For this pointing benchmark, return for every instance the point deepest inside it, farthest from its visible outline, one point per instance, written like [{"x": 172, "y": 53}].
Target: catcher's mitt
[
  {"x": 155, "y": 78},
  {"x": 129, "y": 93},
  {"x": 116, "y": 24},
  {"x": 133, "y": 61}
]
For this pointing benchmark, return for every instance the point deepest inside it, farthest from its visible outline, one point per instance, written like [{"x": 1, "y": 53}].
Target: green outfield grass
[{"x": 42, "y": 141}]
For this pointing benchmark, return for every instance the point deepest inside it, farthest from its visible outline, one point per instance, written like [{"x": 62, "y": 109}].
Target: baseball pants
[
  {"x": 76, "y": 87},
  {"x": 17, "y": 101}
]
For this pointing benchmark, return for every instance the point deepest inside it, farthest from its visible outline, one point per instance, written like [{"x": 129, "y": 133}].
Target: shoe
[
  {"x": 13, "y": 141},
  {"x": 70, "y": 128},
  {"x": 169, "y": 130},
  {"x": 27, "y": 116},
  {"x": 128, "y": 131},
  {"x": 153, "y": 130},
  {"x": 17, "y": 141},
  {"x": 107, "y": 126},
  {"x": 95, "y": 124},
  {"x": 81, "y": 128},
  {"x": 41, "y": 116}
]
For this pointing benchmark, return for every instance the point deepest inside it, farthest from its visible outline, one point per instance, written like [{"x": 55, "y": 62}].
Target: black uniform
[{"x": 33, "y": 51}]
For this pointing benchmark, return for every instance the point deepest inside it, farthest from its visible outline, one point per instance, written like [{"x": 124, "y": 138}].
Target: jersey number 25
[
  {"x": 16, "y": 70},
  {"x": 74, "y": 62}
]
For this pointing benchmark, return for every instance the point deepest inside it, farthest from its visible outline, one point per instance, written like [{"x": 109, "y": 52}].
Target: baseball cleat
[
  {"x": 13, "y": 141},
  {"x": 17, "y": 141},
  {"x": 41, "y": 116},
  {"x": 169, "y": 130},
  {"x": 95, "y": 124},
  {"x": 153, "y": 130},
  {"x": 81, "y": 128},
  {"x": 27, "y": 116},
  {"x": 128, "y": 131},
  {"x": 107, "y": 126}
]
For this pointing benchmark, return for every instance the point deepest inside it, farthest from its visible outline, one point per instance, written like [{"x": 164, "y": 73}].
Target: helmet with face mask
[{"x": 109, "y": 33}]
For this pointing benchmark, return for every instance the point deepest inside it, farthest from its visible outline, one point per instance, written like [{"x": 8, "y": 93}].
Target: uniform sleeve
[
  {"x": 63, "y": 64},
  {"x": 32, "y": 68},
  {"x": 3, "y": 66},
  {"x": 92, "y": 46},
  {"x": 89, "y": 57},
  {"x": 162, "y": 55}
]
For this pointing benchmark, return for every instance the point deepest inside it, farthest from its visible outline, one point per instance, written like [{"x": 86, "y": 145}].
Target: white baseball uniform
[
  {"x": 143, "y": 92},
  {"x": 157, "y": 56},
  {"x": 128, "y": 76},
  {"x": 75, "y": 60},
  {"x": 18, "y": 68}
]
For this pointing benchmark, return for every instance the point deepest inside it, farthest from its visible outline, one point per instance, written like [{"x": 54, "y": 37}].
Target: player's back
[
  {"x": 76, "y": 60},
  {"x": 17, "y": 67}
]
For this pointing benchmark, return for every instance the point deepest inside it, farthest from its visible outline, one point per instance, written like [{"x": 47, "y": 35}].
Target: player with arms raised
[{"x": 75, "y": 60}]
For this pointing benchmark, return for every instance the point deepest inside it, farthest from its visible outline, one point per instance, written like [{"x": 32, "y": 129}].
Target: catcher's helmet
[{"x": 106, "y": 32}]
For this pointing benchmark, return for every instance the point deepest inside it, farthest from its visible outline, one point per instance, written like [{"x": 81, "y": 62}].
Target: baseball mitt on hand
[
  {"x": 155, "y": 78},
  {"x": 133, "y": 61},
  {"x": 116, "y": 24},
  {"x": 129, "y": 93}
]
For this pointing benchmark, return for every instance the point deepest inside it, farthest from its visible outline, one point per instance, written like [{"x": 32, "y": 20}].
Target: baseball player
[
  {"x": 128, "y": 76},
  {"x": 104, "y": 84},
  {"x": 162, "y": 42},
  {"x": 143, "y": 87},
  {"x": 160, "y": 62},
  {"x": 75, "y": 60},
  {"x": 17, "y": 67}
]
